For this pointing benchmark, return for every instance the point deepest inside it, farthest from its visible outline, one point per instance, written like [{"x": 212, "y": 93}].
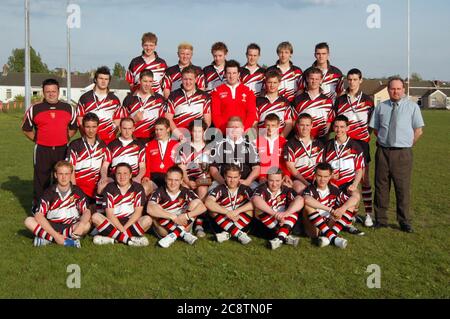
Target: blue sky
[{"x": 110, "y": 31}]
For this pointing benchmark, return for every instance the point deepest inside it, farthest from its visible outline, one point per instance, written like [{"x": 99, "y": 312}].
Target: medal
[
  {"x": 161, "y": 166},
  {"x": 161, "y": 154}
]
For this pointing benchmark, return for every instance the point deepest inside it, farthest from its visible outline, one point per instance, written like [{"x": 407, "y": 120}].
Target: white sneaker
[
  {"x": 200, "y": 232},
  {"x": 138, "y": 241},
  {"x": 340, "y": 242},
  {"x": 275, "y": 243},
  {"x": 168, "y": 240},
  {"x": 243, "y": 238},
  {"x": 323, "y": 241},
  {"x": 38, "y": 241},
  {"x": 189, "y": 238},
  {"x": 292, "y": 240},
  {"x": 223, "y": 236},
  {"x": 368, "y": 222},
  {"x": 103, "y": 240}
]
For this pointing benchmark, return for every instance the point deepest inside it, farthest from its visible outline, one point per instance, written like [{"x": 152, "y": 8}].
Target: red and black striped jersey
[
  {"x": 345, "y": 159},
  {"x": 253, "y": 80},
  {"x": 358, "y": 113},
  {"x": 151, "y": 109},
  {"x": 231, "y": 201},
  {"x": 186, "y": 109},
  {"x": 304, "y": 157},
  {"x": 187, "y": 155},
  {"x": 290, "y": 81},
  {"x": 332, "y": 82},
  {"x": 278, "y": 201},
  {"x": 175, "y": 204},
  {"x": 64, "y": 209},
  {"x": 281, "y": 107},
  {"x": 131, "y": 152},
  {"x": 172, "y": 78},
  {"x": 158, "y": 66},
  {"x": 320, "y": 108},
  {"x": 331, "y": 196},
  {"x": 123, "y": 205},
  {"x": 213, "y": 77},
  {"x": 87, "y": 161},
  {"x": 51, "y": 122},
  {"x": 107, "y": 110}
]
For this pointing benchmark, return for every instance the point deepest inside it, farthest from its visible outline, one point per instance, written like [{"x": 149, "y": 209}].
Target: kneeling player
[
  {"x": 175, "y": 208},
  {"x": 124, "y": 201},
  {"x": 230, "y": 206},
  {"x": 277, "y": 207},
  {"x": 63, "y": 216},
  {"x": 327, "y": 208}
]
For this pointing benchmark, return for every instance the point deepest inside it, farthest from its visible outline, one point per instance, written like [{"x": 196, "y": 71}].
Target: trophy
[{"x": 204, "y": 179}]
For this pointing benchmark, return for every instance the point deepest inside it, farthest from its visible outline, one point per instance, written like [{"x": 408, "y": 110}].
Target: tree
[
  {"x": 119, "y": 71},
  {"x": 16, "y": 62},
  {"x": 416, "y": 77}
]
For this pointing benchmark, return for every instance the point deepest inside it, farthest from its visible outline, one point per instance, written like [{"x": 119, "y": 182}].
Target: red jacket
[
  {"x": 153, "y": 157},
  {"x": 267, "y": 159},
  {"x": 224, "y": 106}
]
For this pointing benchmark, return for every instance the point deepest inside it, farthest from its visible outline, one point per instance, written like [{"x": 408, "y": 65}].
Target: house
[{"x": 12, "y": 84}]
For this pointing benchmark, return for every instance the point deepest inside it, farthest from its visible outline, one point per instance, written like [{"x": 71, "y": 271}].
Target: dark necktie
[{"x": 391, "y": 138}]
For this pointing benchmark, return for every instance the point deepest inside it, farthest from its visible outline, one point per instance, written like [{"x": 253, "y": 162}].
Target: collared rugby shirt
[
  {"x": 187, "y": 155},
  {"x": 331, "y": 197},
  {"x": 132, "y": 153},
  {"x": 175, "y": 204},
  {"x": 172, "y": 78},
  {"x": 280, "y": 200},
  {"x": 332, "y": 82},
  {"x": 158, "y": 66},
  {"x": 281, "y": 107},
  {"x": 290, "y": 81},
  {"x": 213, "y": 77},
  {"x": 231, "y": 201},
  {"x": 253, "y": 80},
  {"x": 123, "y": 205}
]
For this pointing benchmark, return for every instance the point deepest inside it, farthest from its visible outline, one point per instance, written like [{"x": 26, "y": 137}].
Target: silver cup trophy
[{"x": 204, "y": 179}]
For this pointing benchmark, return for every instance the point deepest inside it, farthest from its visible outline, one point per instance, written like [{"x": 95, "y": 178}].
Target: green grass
[{"x": 412, "y": 265}]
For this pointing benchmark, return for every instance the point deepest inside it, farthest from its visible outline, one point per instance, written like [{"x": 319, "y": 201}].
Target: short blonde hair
[
  {"x": 63, "y": 164},
  {"x": 285, "y": 46},
  {"x": 185, "y": 45}
]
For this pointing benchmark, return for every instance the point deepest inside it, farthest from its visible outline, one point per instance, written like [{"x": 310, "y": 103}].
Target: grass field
[{"x": 412, "y": 265}]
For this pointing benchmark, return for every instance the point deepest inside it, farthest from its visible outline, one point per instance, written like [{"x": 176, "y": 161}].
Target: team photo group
[{"x": 229, "y": 149}]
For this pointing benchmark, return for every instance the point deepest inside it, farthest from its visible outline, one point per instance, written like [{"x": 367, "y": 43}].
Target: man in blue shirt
[{"x": 398, "y": 125}]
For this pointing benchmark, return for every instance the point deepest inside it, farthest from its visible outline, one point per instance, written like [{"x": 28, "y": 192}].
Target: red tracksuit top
[
  {"x": 225, "y": 106},
  {"x": 153, "y": 157}
]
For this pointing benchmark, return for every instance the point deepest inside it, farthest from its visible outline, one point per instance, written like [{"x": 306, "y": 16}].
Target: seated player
[
  {"x": 174, "y": 209},
  {"x": 144, "y": 107},
  {"x": 230, "y": 206},
  {"x": 63, "y": 216},
  {"x": 187, "y": 104},
  {"x": 302, "y": 153},
  {"x": 193, "y": 157},
  {"x": 160, "y": 155},
  {"x": 124, "y": 202},
  {"x": 278, "y": 208},
  {"x": 347, "y": 160},
  {"x": 90, "y": 158},
  {"x": 272, "y": 102},
  {"x": 252, "y": 75},
  {"x": 215, "y": 72},
  {"x": 172, "y": 76},
  {"x": 270, "y": 148},
  {"x": 235, "y": 149},
  {"x": 316, "y": 104},
  {"x": 328, "y": 210}
]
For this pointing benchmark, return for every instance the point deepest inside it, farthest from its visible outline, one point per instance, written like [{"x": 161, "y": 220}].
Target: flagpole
[
  {"x": 27, "y": 56},
  {"x": 69, "y": 84},
  {"x": 409, "y": 46}
]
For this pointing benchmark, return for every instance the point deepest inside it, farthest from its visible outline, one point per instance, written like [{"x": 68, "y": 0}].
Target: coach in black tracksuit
[{"x": 50, "y": 125}]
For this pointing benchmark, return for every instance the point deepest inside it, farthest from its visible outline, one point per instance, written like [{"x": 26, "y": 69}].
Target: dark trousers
[
  {"x": 45, "y": 158},
  {"x": 393, "y": 165}
]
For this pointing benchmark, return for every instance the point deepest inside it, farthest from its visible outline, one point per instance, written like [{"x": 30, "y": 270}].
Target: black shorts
[
  {"x": 159, "y": 179},
  {"x": 60, "y": 227},
  {"x": 123, "y": 220},
  {"x": 344, "y": 188},
  {"x": 366, "y": 150}
]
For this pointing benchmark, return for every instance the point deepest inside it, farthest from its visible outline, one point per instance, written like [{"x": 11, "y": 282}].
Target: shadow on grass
[
  {"x": 25, "y": 233},
  {"x": 22, "y": 190}
]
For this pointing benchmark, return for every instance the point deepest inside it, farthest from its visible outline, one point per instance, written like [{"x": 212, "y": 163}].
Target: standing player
[
  {"x": 187, "y": 104},
  {"x": 215, "y": 72},
  {"x": 358, "y": 108},
  {"x": 316, "y": 104},
  {"x": 50, "y": 125},
  {"x": 102, "y": 102},
  {"x": 252, "y": 75},
  {"x": 328, "y": 210},
  {"x": 332, "y": 82},
  {"x": 124, "y": 201},
  {"x": 63, "y": 216},
  {"x": 144, "y": 107},
  {"x": 172, "y": 77},
  {"x": 278, "y": 208},
  {"x": 149, "y": 60},
  {"x": 230, "y": 206},
  {"x": 233, "y": 99},
  {"x": 174, "y": 208},
  {"x": 90, "y": 158},
  {"x": 291, "y": 75},
  {"x": 302, "y": 153},
  {"x": 273, "y": 103}
]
